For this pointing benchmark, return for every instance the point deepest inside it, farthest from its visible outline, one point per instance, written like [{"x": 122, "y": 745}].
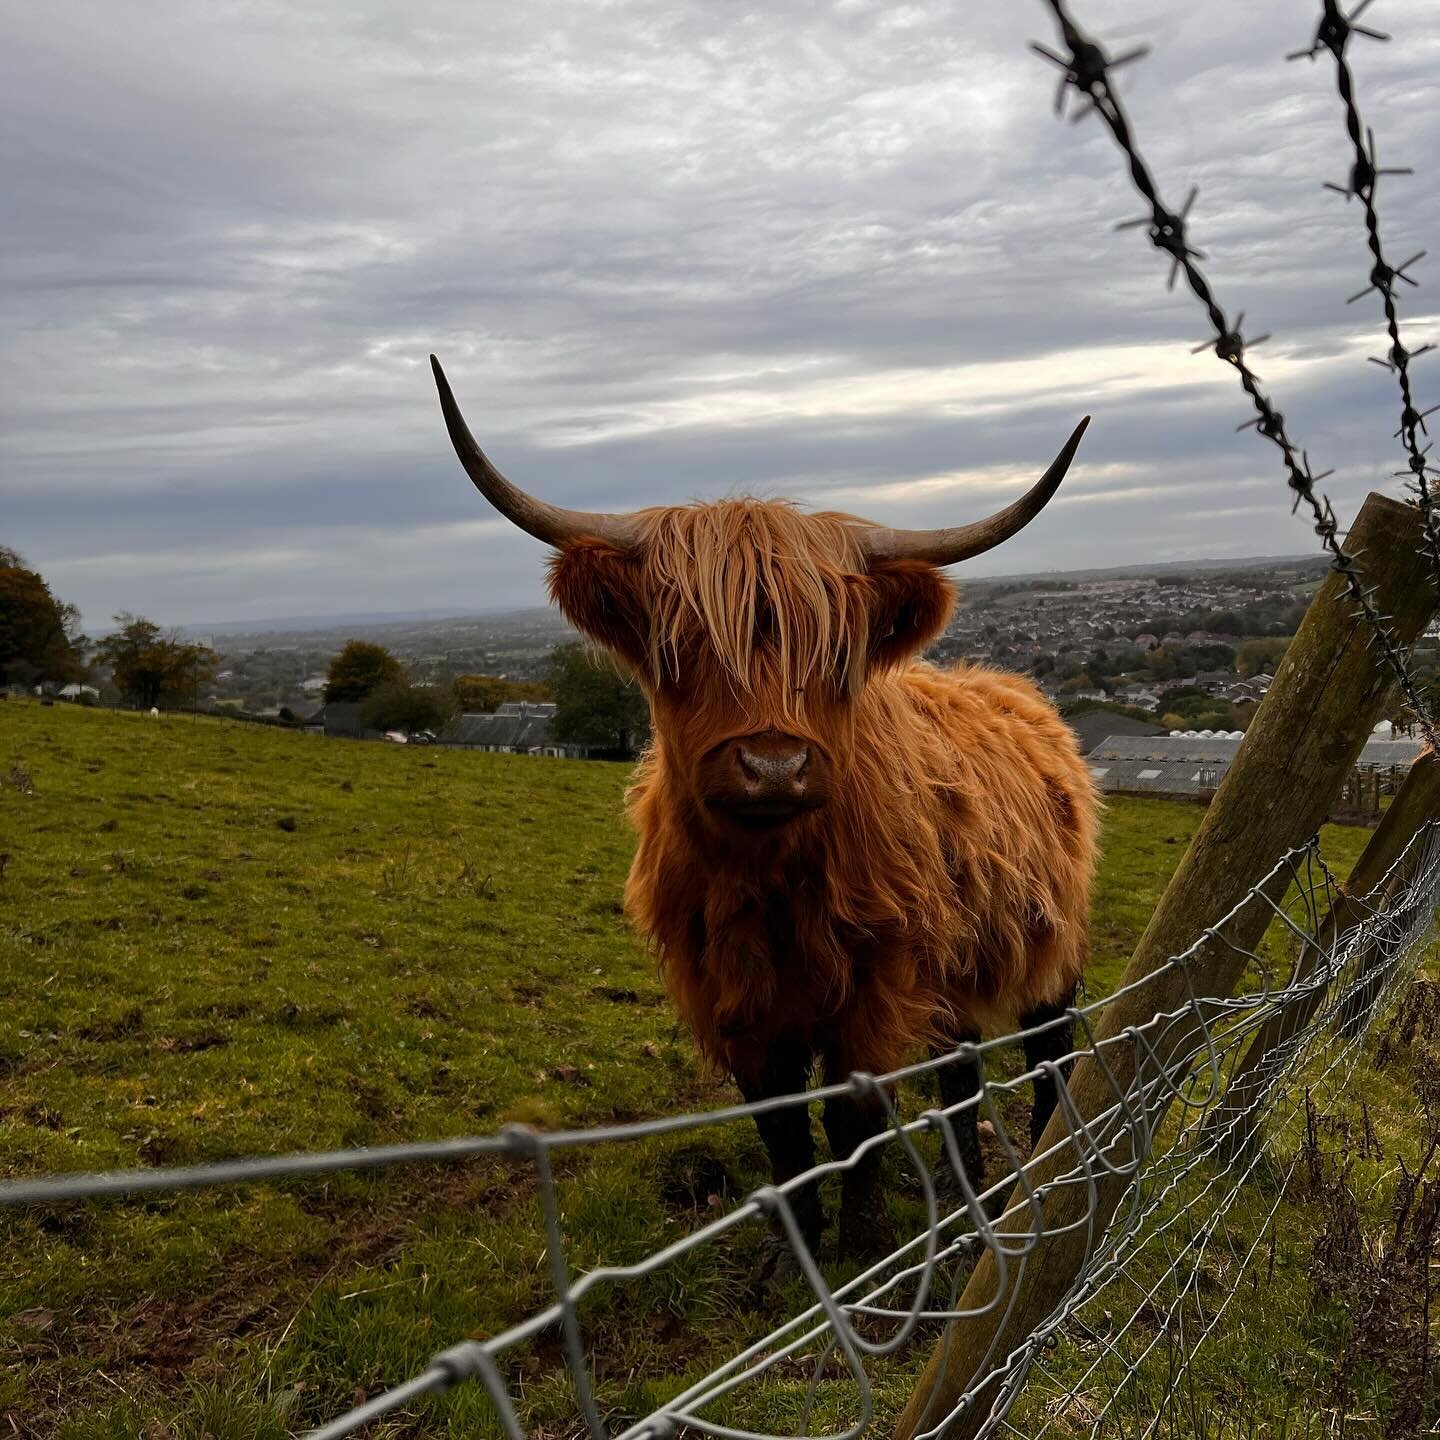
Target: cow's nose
[
  {"x": 778, "y": 769},
  {"x": 766, "y": 778}
]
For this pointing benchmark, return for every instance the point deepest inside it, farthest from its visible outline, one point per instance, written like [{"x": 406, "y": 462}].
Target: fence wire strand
[{"x": 1159, "y": 1272}]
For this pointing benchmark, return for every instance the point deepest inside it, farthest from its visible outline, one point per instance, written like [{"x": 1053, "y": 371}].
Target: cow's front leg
[
  {"x": 865, "y": 1228},
  {"x": 960, "y": 1086},
  {"x": 784, "y": 1069},
  {"x": 1054, "y": 1043}
]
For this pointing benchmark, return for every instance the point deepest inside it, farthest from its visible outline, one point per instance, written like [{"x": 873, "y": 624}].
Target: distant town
[
  {"x": 1158, "y": 670},
  {"x": 265, "y": 671},
  {"x": 1203, "y": 639}
]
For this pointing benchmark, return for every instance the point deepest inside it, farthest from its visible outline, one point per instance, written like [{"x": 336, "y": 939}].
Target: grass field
[{"x": 216, "y": 940}]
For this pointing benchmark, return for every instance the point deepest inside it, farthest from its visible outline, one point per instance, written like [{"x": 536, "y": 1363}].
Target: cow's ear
[
  {"x": 910, "y": 601},
  {"x": 598, "y": 590}
]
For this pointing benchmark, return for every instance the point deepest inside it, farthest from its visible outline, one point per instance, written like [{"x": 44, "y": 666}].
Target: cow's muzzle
[{"x": 764, "y": 780}]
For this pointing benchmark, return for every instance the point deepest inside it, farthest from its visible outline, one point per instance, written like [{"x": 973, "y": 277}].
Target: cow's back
[{"x": 1021, "y": 822}]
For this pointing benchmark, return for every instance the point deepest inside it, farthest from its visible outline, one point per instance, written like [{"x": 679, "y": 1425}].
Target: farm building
[
  {"x": 340, "y": 718},
  {"x": 518, "y": 727},
  {"x": 1190, "y": 767},
  {"x": 1092, "y": 727}
]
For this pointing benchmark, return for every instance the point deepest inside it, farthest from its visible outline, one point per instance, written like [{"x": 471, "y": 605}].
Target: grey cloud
[{"x": 236, "y": 234}]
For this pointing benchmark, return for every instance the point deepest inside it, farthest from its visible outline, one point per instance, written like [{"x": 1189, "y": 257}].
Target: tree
[
  {"x": 39, "y": 636},
  {"x": 1170, "y": 662},
  {"x": 396, "y": 704},
  {"x": 1194, "y": 710},
  {"x": 360, "y": 668},
  {"x": 595, "y": 704},
  {"x": 483, "y": 693},
  {"x": 1256, "y": 655},
  {"x": 150, "y": 664},
  {"x": 1174, "y": 697},
  {"x": 1290, "y": 620}
]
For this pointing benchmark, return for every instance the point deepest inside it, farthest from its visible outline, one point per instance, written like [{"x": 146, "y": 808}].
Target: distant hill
[
  {"x": 369, "y": 624},
  {"x": 327, "y": 622},
  {"x": 1316, "y": 564},
  {"x": 421, "y": 628}
]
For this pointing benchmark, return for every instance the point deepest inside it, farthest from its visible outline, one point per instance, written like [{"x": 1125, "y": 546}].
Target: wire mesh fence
[
  {"x": 1201, "y": 1211},
  {"x": 1204, "y": 1182}
]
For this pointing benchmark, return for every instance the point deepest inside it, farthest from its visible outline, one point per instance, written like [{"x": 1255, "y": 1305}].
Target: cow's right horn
[{"x": 960, "y": 542}]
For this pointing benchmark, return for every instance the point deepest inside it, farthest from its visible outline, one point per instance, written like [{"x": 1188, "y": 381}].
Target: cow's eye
[{"x": 764, "y": 621}]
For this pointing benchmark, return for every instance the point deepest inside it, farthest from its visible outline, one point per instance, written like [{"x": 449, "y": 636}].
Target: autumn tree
[
  {"x": 149, "y": 664},
  {"x": 359, "y": 669},
  {"x": 482, "y": 693},
  {"x": 1185, "y": 707},
  {"x": 39, "y": 636},
  {"x": 595, "y": 704}
]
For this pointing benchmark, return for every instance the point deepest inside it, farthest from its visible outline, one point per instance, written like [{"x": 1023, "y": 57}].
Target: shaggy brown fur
[{"x": 946, "y": 885}]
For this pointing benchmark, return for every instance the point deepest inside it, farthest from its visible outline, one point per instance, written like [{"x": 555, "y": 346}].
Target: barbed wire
[
  {"x": 1334, "y": 34},
  {"x": 1181, "y": 1189},
  {"x": 1086, "y": 68}
]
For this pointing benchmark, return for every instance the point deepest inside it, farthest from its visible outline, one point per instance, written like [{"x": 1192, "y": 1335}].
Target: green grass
[{"x": 217, "y": 940}]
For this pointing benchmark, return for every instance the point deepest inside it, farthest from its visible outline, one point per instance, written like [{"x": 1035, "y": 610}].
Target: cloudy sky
[{"x": 667, "y": 249}]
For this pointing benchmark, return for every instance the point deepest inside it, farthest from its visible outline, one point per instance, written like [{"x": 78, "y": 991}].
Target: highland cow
[{"x": 845, "y": 853}]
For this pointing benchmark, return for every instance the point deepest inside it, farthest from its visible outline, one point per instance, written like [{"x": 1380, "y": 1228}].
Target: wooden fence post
[
  {"x": 1417, "y": 803},
  {"x": 1328, "y": 693}
]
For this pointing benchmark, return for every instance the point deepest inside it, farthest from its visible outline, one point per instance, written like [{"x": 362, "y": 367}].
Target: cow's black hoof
[{"x": 866, "y": 1232}]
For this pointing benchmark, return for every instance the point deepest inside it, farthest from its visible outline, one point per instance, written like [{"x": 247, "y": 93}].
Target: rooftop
[
  {"x": 1183, "y": 749},
  {"x": 507, "y": 728}
]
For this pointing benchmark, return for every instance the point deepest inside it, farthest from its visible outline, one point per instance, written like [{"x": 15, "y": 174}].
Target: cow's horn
[
  {"x": 960, "y": 542},
  {"x": 550, "y": 523}
]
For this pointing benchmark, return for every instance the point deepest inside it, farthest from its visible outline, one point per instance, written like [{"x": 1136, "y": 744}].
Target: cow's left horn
[
  {"x": 960, "y": 542},
  {"x": 550, "y": 523}
]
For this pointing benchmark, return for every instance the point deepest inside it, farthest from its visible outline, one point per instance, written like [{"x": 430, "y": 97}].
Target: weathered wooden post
[
  {"x": 1420, "y": 802},
  {"x": 1417, "y": 803},
  {"x": 1328, "y": 693}
]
